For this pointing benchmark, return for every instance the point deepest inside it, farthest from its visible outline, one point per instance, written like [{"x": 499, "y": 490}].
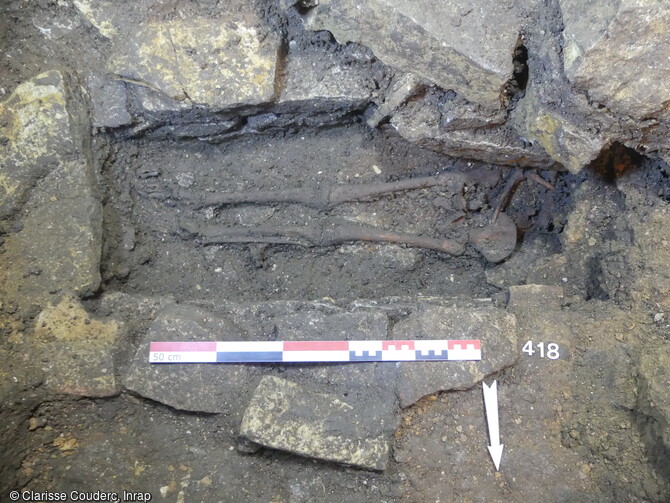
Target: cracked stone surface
[
  {"x": 210, "y": 62},
  {"x": 49, "y": 175},
  {"x": 466, "y": 48},
  {"x": 196, "y": 387},
  {"x": 77, "y": 351},
  {"x": 494, "y": 327},
  {"x": 601, "y": 60},
  {"x": 284, "y": 415}
]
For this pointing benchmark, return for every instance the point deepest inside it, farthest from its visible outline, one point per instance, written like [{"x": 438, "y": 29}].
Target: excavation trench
[{"x": 328, "y": 171}]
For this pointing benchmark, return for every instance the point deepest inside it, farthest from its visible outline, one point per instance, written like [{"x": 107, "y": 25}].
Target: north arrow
[{"x": 491, "y": 406}]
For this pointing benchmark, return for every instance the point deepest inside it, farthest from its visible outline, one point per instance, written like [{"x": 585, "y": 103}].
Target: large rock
[
  {"x": 193, "y": 387},
  {"x": 495, "y": 328},
  {"x": 76, "y": 350},
  {"x": 36, "y": 134},
  {"x": 46, "y": 170},
  {"x": 617, "y": 55},
  {"x": 461, "y": 129},
  {"x": 324, "y": 80},
  {"x": 617, "y": 52},
  {"x": 466, "y": 48},
  {"x": 219, "y": 64},
  {"x": 572, "y": 135},
  {"x": 284, "y": 415}
]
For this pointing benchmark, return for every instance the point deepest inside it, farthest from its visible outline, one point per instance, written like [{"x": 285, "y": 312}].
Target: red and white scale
[{"x": 314, "y": 351}]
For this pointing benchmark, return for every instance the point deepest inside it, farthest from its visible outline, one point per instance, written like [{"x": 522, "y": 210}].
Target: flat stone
[
  {"x": 194, "y": 387},
  {"x": 617, "y": 51},
  {"x": 464, "y": 48},
  {"x": 322, "y": 78},
  {"x": 284, "y": 415},
  {"x": 76, "y": 351},
  {"x": 35, "y": 133},
  {"x": 47, "y": 171},
  {"x": 469, "y": 135},
  {"x": 495, "y": 328},
  {"x": 201, "y": 61}
]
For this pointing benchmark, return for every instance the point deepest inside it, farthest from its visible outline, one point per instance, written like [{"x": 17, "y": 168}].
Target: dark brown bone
[
  {"x": 318, "y": 235},
  {"x": 511, "y": 184},
  {"x": 324, "y": 198}
]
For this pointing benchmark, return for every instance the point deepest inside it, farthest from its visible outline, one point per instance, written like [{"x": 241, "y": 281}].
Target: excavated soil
[{"x": 572, "y": 427}]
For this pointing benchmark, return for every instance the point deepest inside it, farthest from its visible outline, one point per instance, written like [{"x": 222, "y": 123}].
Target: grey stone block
[
  {"x": 495, "y": 328},
  {"x": 467, "y": 48},
  {"x": 201, "y": 61},
  {"x": 198, "y": 387},
  {"x": 287, "y": 416},
  {"x": 46, "y": 171}
]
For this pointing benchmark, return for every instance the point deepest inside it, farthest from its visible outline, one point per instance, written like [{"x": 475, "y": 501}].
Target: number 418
[{"x": 551, "y": 352}]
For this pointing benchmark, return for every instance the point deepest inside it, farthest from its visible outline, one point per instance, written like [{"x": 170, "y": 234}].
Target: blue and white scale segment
[{"x": 314, "y": 351}]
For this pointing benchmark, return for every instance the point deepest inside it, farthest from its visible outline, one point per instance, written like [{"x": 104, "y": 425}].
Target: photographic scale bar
[{"x": 314, "y": 351}]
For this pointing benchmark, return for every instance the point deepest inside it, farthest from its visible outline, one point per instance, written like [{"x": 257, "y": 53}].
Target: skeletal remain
[
  {"x": 512, "y": 183},
  {"x": 324, "y": 198},
  {"x": 316, "y": 235}
]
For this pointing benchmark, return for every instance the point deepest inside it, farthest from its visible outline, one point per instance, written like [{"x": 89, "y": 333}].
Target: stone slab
[
  {"x": 617, "y": 51},
  {"x": 495, "y": 328},
  {"x": 108, "y": 102},
  {"x": 285, "y": 415},
  {"x": 194, "y": 387},
  {"x": 47, "y": 171},
  {"x": 467, "y": 48},
  {"x": 76, "y": 351},
  {"x": 324, "y": 79},
  {"x": 35, "y": 135},
  {"x": 200, "y": 61},
  {"x": 480, "y": 136}
]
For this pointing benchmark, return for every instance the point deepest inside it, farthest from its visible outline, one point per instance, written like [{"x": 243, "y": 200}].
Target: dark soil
[{"x": 567, "y": 438}]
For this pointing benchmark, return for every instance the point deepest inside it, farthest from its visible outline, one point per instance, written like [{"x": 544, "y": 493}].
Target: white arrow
[{"x": 491, "y": 406}]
